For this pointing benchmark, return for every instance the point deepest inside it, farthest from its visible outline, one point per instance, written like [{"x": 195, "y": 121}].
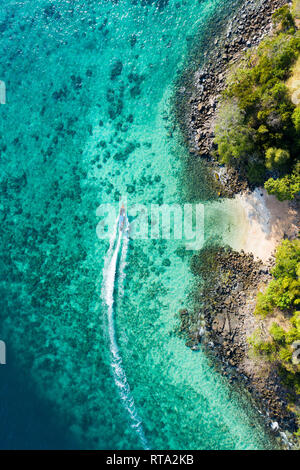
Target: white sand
[
  {"x": 261, "y": 221},
  {"x": 254, "y": 222}
]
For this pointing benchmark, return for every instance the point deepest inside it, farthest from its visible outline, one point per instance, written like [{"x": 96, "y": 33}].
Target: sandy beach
[
  {"x": 258, "y": 221},
  {"x": 266, "y": 221}
]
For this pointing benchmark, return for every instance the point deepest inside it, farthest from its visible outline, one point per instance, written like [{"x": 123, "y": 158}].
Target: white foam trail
[
  {"x": 123, "y": 262},
  {"x": 109, "y": 277}
]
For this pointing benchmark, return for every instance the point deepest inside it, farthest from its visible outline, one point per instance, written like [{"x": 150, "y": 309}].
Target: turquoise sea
[{"x": 92, "y": 357}]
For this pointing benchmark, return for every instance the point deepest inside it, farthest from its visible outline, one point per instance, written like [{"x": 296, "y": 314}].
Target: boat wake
[{"x": 114, "y": 268}]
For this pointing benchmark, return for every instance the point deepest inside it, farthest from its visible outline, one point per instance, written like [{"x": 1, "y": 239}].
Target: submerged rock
[{"x": 116, "y": 70}]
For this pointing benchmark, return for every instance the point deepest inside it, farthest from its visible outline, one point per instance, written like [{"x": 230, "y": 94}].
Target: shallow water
[{"x": 87, "y": 120}]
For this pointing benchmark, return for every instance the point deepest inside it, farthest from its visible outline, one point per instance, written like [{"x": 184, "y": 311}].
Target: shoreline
[
  {"x": 251, "y": 23},
  {"x": 199, "y": 93},
  {"x": 262, "y": 222}
]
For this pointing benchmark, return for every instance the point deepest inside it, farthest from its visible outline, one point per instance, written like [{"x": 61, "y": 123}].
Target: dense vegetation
[
  {"x": 258, "y": 126},
  {"x": 282, "y": 299}
]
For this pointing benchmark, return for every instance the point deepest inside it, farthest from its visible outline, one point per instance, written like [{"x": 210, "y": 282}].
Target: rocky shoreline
[
  {"x": 200, "y": 91},
  {"x": 223, "y": 304},
  {"x": 222, "y": 320}
]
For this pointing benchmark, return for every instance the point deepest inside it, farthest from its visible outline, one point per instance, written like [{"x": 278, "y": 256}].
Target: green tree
[
  {"x": 277, "y": 333},
  {"x": 296, "y": 119},
  {"x": 276, "y": 157},
  {"x": 235, "y": 140},
  {"x": 287, "y": 259},
  {"x": 284, "y": 18},
  {"x": 282, "y": 292},
  {"x": 284, "y": 188},
  {"x": 257, "y": 127},
  {"x": 284, "y": 289}
]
